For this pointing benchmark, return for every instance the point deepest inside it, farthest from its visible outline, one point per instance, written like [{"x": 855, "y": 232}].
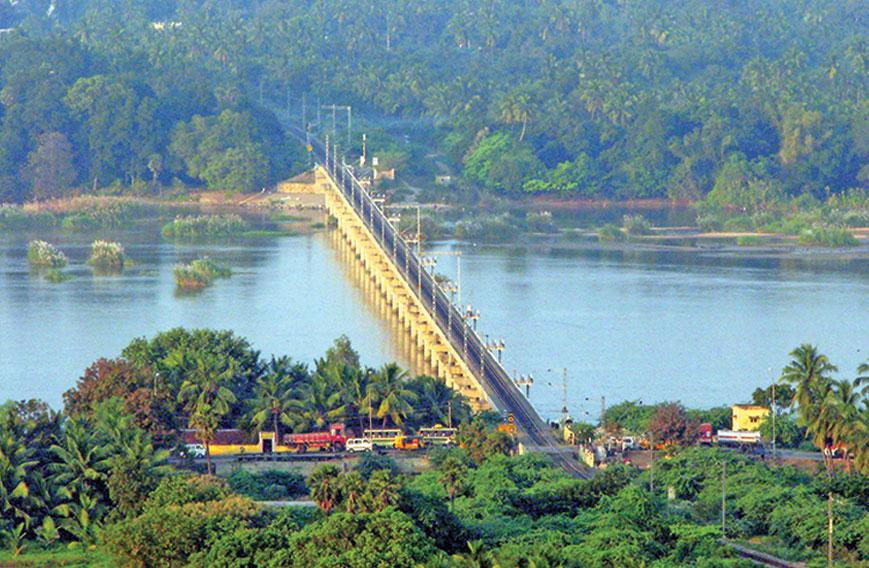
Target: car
[
  {"x": 354, "y": 445},
  {"x": 195, "y": 450}
]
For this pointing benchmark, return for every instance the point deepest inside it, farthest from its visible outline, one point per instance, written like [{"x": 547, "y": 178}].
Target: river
[{"x": 626, "y": 324}]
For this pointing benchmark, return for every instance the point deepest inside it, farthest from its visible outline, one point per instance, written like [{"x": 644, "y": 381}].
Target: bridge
[{"x": 442, "y": 332}]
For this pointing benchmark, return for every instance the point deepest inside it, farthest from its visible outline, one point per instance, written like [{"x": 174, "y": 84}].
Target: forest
[{"x": 744, "y": 103}]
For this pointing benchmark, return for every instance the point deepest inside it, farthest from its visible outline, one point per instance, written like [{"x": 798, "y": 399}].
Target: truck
[
  {"x": 333, "y": 440},
  {"x": 737, "y": 437},
  {"x": 705, "y": 434}
]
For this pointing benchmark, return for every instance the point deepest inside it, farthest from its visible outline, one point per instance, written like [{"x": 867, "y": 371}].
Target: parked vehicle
[
  {"x": 403, "y": 442},
  {"x": 354, "y": 445},
  {"x": 705, "y": 434},
  {"x": 438, "y": 435},
  {"x": 333, "y": 440},
  {"x": 382, "y": 438},
  {"x": 195, "y": 450},
  {"x": 629, "y": 443},
  {"x": 737, "y": 437}
]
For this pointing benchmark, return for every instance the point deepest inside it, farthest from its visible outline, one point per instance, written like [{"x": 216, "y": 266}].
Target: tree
[
  {"x": 451, "y": 474},
  {"x": 784, "y": 396},
  {"x": 391, "y": 394},
  {"x": 325, "y": 485},
  {"x": 436, "y": 403},
  {"x": 353, "y": 492},
  {"x": 382, "y": 490},
  {"x": 670, "y": 425},
  {"x": 809, "y": 372},
  {"x": 50, "y": 166},
  {"x": 273, "y": 402},
  {"x": 206, "y": 398}
]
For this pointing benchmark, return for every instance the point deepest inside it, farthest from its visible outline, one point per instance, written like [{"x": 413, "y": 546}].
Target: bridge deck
[{"x": 429, "y": 297}]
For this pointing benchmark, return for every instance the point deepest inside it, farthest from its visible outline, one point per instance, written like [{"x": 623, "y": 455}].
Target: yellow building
[{"x": 748, "y": 417}]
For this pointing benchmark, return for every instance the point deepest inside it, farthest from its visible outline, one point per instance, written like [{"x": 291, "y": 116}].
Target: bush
[
  {"x": 167, "y": 536},
  {"x": 205, "y": 226},
  {"x": 272, "y": 485},
  {"x": 15, "y": 218},
  {"x": 610, "y": 232},
  {"x": 45, "y": 255},
  {"x": 491, "y": 228},
  {"x": 636, "y": 225},
  {"x": 828, "y": 237},
  {"x": 183, "y": 489},
  {"x": 107, "y": 255},
  {"x": 371, "y": 462},
  {"x": 200, "y": 273},
  {"x": 750, "y": 240}
]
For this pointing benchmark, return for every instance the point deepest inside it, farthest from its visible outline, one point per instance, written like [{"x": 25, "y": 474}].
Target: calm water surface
[{"x": 646, "y": 325}]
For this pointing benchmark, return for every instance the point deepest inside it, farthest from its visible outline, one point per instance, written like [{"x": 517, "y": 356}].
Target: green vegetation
[
  {"x": 109, "y": 496},
  {"x": 828, "y": 237},
  {"x": 610, "y": 232},
  {"x": 41, "y": 254},
  {"x": 56, "y": 276},
  {"x": 205, "y": 226},
  {"x": 107, "y": 255},
  {"x": 636, "y": 225},
  {"x": 751, "y": 240},
  {"x": 199, "y": 274}
]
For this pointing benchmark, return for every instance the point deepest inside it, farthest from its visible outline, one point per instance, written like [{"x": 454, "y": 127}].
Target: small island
[
  {"x": 41, "y": 254},
  {"x": 107, "y": 256},
  {"x": 199, "y": 274},
  {"x": 205, "y": 226}
]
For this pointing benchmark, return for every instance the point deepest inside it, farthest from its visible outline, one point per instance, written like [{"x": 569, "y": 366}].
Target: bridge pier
[{"x": 383, "y": 279}]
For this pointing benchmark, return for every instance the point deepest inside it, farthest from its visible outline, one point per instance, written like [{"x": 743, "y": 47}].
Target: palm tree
[
  {"x": 452, "y": 471},
  {"x": 392, "y": 394},
  {"x": 81, "y": 466},
  {"x": 16, "y": 470},
  {"x": 436, "y": 403},
  {"x": 382, "y": 490},
  {"x": 809, "y": 372},
  {"x": 353, "y": 490},
  {"x": 273, "y": 402},
  {"x": 862, "y": 380},
  {"x": 205, "y": 397},
  {"x": 325, "y": 484},
  {"x": 319, "y": 401}
]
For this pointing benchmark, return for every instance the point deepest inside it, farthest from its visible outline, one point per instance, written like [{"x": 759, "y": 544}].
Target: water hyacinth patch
[
  {"x": 45, "y": 255},
  {"x": 107, "y": 255}
]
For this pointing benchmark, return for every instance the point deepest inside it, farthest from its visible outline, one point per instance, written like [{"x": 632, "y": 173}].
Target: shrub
[
  {"x": 492, "y": 228},
  {"x": 610, "y": 232},
  {"x": 107, "y": 255},
  {"x": 183, "y": 489},
  {"x": 43, "y": 254},
  {"x": 15, "y": 218},
  {"x": 200, "y": 273},
  {"x": 167, "y": 536},
  {"x": 205, "y": 226},
  {"x": 271, "y": 485},
  {"x": 709, "y": 222},
  {"x": 820, "y": 235},
  {"x": 636, "y": 225},
  {"x": 750, "y": 240}
]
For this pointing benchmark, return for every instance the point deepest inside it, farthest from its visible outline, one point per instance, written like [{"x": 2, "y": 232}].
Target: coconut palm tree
[
  {"x": 353, "y": 491},
  {"x": 392, "y": 395},
  {"x": 809, "y": 372},
  {"x": 205, "y": 396},
  {"x": 16, "y": 470},
  {"x": 862, "y": 380},
  {"x": 273, "y": 402},
  {"x": 319, "y": 401}
]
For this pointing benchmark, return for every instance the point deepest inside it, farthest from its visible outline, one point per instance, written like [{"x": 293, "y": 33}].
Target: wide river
[{"x": 705, "y": 329}]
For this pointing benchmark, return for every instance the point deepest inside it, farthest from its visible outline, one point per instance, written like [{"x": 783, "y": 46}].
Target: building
[{"x": 748, "y": 417}]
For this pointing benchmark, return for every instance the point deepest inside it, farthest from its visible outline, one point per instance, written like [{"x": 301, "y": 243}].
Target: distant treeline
[{"x": 746, "y": 101}]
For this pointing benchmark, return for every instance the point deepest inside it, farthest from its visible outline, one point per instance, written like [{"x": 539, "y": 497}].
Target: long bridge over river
[{"x": 441, "y": 332}]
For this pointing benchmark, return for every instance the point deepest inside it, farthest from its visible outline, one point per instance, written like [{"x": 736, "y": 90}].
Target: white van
[
  {"x": 359, "y": 445},
  {"x": 195, "y": 450}
]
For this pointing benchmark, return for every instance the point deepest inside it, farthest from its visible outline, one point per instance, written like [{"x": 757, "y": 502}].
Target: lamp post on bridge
[
  {"x": 497, "y": 345},
  {"x": 524, "y": 381}
]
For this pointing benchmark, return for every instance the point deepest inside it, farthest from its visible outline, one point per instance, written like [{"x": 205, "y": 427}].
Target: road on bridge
[{"x": 498, "y": 385}]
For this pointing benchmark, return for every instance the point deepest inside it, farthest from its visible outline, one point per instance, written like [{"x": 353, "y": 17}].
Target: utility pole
[
  {"x": 774, "y": 412},
  {"x": 603, "y": 413},
  {"x": 723, "y": 496},
  {"x": 565, "y": 414},
  {"x": 449, "y": 413}
]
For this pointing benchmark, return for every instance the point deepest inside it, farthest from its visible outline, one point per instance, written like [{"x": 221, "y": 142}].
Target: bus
[
  {"x": 382, "y": 438},
  {"x": 438, "y": 435}
]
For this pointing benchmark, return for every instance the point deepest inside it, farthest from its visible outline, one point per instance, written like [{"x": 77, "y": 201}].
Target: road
[{"x": 500, "y": 388}]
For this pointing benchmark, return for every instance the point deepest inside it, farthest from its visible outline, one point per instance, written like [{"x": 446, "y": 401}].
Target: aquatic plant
[
  {"x": 636, "y": 225},
  {"x": 610, "y": 232},
  {"x": 107, "y": 255},
  {"x": 16, "y": 218},
  {"x": 205, "y": 226},
  {"x": 45, "y": 255},
  {"x": 827, "y": 236},
  {"x": 200, "y": 273}
]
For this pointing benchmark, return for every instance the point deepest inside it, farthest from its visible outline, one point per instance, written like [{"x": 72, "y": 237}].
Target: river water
[{"x": 627, "y": 324}]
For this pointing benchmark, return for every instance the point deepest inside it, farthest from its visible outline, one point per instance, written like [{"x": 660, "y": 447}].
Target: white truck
[{"x": 738, "y": 438}]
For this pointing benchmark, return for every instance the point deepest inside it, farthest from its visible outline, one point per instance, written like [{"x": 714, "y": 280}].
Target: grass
[
  {"x": 41, "y": 254},
  {"x": 56, "y": 276},
  {"x": 636, "y": 225},
  {"x": 205, "y": 226},
  {"x": 750, "y": 240},
  {"x": 107, "y": 255},
  {"x": 199, "y": 274},
  {"x": 610, "y": 232},
  {"x": 59, "y": 556},
  {"x": 267, "y": 233},
  {"x": 828, "y": 237}
]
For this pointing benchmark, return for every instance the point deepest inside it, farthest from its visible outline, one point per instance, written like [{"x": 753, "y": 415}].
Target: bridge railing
[{"x": 463, "y": 338}]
